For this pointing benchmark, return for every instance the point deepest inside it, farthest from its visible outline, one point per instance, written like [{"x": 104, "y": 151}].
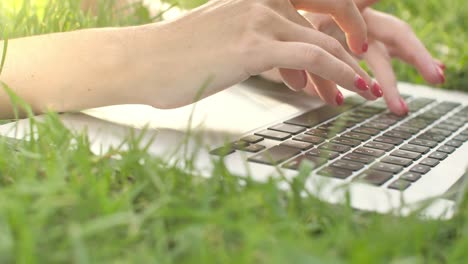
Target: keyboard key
[
  {"x": 462, "y": 138},
  {"x": 335, "y": 147},
  {"x": 239, "y": 144},
  {"x": 347, "y": 165},
  {"x": 406, "y": 154},
  {"x": 446, "y": 149},
  {"x": 430, "y": 162},
  {"x": 389, "y": 140},
  {"x": 252, "y": 139},
  {"x": 319, "y": 133},
  {"x": 254, "y": 148},
  {"x": 386, "y": 121},
  {"x": 397, "y": 161},
  {"x": 222, "y": 151},
  {"x": 465, "y": 132},
  {"x": 317, "y": 116},
  {"x": 387, "y": 167},
  {"x": 366, "y": 130},
  {"x": 398, "y": 134},
  {"x": 331, "y": 129},
  {"x": 399, "y": 185},
  {"x": 454, "y": 143},
  {"x": 291, "y": 129},
  {"x": 409, "y": 130},
  {"x": 370, "y": 109},
  {"x": 438, "y": 155},
  {"x": 310, "y": 139},
  {"x": 423, "y": 142},
  {"x": 335, "y": 172},
  {"x": 415, "y": 148},
  {"x": 374, "y": 125},
  {"x": 325, "y": 154},
  {"x": 297, "y": 144},
  {"x": 275, "y": 135},
  {"x": 410, "y": 176},
  {"x": 275, "y": 155},
  {"x": 370, "y": 152},
  {"x": 440, "y": 132},
  {"x": 356, "y": 136},
  {"x": 315, "y": 162},
  {"x": 431, "y": 136},
  {"x": 422, "y": 169},
  {"x": 346, "y": 141},
  {"x": 359, "y": 158},
  {"x": 447, "y": 127},
  {"x": 375, "y": 177},
  {"x": 378, "y": 145}
]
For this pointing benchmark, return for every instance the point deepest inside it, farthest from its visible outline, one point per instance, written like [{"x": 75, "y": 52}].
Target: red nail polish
[
  {"x": 376, "y": 90},
  {"x": 404, "y": 105},
  {"x": 365, "y": 47},
  {"x": 360, "y": 83},
  {"x": 339, "y": 98}
]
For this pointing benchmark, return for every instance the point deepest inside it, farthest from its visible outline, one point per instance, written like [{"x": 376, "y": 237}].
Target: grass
[{"x": 61, "y": 204}]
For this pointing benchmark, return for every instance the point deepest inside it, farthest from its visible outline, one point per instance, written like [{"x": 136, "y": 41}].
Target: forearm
[{"x": 72, "y": 71}]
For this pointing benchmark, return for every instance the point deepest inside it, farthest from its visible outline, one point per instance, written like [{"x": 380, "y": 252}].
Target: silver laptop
[{"x": 358, "y": 153}]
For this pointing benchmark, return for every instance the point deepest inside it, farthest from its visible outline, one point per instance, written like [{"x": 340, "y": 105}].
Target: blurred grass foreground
[{"x": 61, "y": 204}]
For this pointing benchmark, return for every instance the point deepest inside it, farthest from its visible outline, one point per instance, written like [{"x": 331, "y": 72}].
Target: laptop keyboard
[{"x": 363, "y": 141}]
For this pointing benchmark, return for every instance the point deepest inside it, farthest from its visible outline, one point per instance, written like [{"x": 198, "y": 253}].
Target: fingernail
[
  {"x": 306, "y": 79},
  {"x": 442, "y": 66},
  {"x": 339, "y": 98},
  {"x": 404, "y": 106},
  {"x": 376, "y": 90},
  {"x": 360, "y": 83},
  {"x": 441, "y": 74},
  {"x": 365, "y": 47}
]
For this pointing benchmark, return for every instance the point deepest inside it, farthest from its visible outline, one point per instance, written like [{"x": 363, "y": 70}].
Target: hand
[
  {"x": 388, "y": 37},
  {"x": 233, "y": 40}
]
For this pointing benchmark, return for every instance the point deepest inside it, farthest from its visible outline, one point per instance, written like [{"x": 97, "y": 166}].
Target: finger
[
  {"x": 303, "y": 56},
  {"x": 288, "y": 31},
  {"x": 347, "y": 16},
  {"x": 404, "y": 43},
  {"x": 296, "y": 80},
  {"x": 440, "y": 64},
  {"x": 362, "y": 4},
  {"x": 327, "y": 90},
  {"x": 310, "y": 88},
  {"x": 379, "y": 62},
  {"x": 272, "y": 76}
]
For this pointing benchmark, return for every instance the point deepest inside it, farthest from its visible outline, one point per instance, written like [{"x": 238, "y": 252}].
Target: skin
[
  {"x": 165, "y": 64},
  {"x": 389, "y": 37}
]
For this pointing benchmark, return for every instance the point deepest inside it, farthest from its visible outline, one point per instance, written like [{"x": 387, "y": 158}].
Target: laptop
[{"x": 359, "y": 153}]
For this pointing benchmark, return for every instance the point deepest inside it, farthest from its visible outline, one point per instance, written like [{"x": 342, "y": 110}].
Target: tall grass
[{"x": 61, "y": 204}]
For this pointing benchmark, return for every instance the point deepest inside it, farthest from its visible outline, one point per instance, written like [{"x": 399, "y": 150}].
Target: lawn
[{"x": 61, "y": 204}]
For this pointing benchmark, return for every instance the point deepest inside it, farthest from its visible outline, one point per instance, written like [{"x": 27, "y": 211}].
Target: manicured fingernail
[
  {"x": 339, "y": 98},
  {"x": 404, "y": 106},
  {"x": 360, "y": 83},
  {"x": 365, "y": 47},
  {"x": 441, "y": 74},
  {"x": 442, "y": 66},
  {"x": 376, "y": 90}
]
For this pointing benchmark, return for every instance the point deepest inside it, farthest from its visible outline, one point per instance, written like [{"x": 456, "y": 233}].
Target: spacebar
[{"x": 318, "y": 115}]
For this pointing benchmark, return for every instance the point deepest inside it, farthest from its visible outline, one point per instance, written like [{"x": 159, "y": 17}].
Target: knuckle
[
  {"x": 314, "y": 55},
  {"x": 334, "y": 46}
]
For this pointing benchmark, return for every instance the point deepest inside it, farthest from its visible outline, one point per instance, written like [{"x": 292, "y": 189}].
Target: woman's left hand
[{"x": 389, "y": 37}]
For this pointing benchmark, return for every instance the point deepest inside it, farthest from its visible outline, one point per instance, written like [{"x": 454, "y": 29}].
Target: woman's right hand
[{"x": 227, "y": 41}]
